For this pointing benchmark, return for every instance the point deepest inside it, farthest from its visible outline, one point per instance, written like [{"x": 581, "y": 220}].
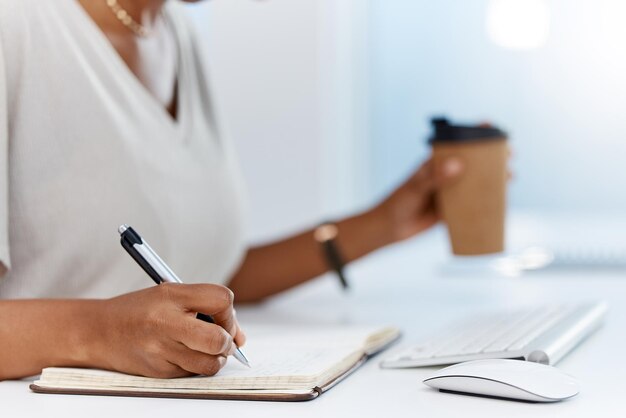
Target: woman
[{"x": 106, "y": 118}]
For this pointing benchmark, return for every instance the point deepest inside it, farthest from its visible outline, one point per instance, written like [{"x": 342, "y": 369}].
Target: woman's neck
[{"x": 145, "y": 12}]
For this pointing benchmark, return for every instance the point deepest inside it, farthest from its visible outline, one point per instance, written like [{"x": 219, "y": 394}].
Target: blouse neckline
[{"x": 178, "y": 124}]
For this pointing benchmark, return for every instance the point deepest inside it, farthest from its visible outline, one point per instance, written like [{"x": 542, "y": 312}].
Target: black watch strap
[{"x": 326, "y": 234}]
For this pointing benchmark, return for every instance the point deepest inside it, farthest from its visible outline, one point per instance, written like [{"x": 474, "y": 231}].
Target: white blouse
[{"x": 84, "y": 147}]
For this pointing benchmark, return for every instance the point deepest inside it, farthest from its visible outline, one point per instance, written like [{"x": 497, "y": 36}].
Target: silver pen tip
[
  {"x": 122, "y": 229},
  {"x": 241, "y": 357}
]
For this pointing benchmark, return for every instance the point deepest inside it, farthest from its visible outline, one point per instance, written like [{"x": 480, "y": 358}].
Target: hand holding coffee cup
[{"x": 473, "y": 206}]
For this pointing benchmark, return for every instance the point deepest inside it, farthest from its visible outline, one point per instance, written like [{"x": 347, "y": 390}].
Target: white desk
[{"x": 400, "y": 286}]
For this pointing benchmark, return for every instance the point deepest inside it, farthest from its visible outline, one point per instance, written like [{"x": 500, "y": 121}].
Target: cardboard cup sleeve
[{"x": 474, "y": 205}]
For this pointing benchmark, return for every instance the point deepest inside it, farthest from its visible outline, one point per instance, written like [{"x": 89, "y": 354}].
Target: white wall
[
  {"x": 564, "y": 104},
  {"x": 328, "y": 100},
  {"x": 281, "y": 74}
]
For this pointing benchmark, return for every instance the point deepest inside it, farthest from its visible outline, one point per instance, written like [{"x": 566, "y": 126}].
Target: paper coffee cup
[{"x": 474, "y": 205}]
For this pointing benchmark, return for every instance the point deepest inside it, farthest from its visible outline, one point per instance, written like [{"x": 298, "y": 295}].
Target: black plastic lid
[{"x": 445, "y": 132}]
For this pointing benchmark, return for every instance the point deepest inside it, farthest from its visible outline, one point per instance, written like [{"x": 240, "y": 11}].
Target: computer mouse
[{"x": 511, "y": 379}]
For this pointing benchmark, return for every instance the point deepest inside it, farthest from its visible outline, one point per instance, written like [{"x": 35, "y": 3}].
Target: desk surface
[{"x": 404, "y": 286}]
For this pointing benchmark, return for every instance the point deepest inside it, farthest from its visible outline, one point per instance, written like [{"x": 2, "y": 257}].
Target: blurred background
[{"x": 329, "y": 101}]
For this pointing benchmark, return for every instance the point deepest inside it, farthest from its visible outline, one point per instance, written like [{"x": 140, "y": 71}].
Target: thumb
[{"x": 449, "y": 169}]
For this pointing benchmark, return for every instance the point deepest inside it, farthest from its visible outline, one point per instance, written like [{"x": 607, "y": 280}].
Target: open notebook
[{"x": 287, "y": 365}]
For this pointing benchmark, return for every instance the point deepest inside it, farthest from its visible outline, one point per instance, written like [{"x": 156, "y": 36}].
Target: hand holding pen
[{"x": 161, "y": 273}]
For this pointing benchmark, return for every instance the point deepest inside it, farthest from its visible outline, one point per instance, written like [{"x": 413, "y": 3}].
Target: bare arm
[
  {"x": 272, "y": 268},
  {"x": 38, "y": 333},
  {"x": 409, "y": 210},
  {"x": 152, "y": 332}
]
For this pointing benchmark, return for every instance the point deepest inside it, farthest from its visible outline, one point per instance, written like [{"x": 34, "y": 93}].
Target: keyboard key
[{"x": 542, "y": 327}]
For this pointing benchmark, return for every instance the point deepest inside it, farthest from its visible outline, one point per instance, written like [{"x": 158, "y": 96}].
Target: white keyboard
[{"x": 544, "y": 335}]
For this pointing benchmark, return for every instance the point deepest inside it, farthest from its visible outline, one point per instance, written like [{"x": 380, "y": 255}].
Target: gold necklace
[{"x": 123, "y": 16}]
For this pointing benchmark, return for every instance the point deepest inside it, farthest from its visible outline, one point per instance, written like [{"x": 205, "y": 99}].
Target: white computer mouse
[{"x": 512, "y": 379}]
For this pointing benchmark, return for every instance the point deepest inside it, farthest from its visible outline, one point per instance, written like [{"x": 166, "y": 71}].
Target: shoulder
[
  {"x": 20, "y": 18},
  {"x": 178, "y": 10},
  {"x": 13, "y": 37},
  {"x": 12, "y": 16},
  {"x": 19, "y": 14},
  {"x": 188, "y": 37},
  {"x": 30, "y": 27},
  {"x": 179, "y": 15}
]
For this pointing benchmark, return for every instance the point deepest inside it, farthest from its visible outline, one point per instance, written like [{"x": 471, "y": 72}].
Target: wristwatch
[{"x": 326, "y": 235}]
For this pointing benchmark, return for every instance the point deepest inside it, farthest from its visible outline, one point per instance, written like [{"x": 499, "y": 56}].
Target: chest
[
  {"x": 153, "y": 61},
  {"x": 90, "y": 149}
]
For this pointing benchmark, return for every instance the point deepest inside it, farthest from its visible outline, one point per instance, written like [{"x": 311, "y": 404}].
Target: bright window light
[{"x": 518, "y": 24}]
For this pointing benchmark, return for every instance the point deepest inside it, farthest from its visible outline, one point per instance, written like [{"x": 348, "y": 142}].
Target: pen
[{"x": 160, "y": 272}]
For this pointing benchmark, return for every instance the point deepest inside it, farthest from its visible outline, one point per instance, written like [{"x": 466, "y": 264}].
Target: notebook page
[
  {"x": 281, "y": 359},
  {"x": 273, "y": 368}
]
